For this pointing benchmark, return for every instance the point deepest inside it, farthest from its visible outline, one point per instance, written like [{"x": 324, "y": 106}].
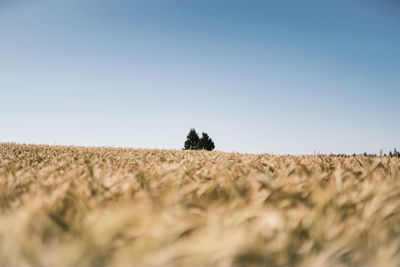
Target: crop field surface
[{"x": 75, "y": 206}]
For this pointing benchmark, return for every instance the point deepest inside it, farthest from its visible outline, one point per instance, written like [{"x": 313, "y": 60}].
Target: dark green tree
[
  {"x": 192, "y": 141},
  {"x": 206, "y": 142}
]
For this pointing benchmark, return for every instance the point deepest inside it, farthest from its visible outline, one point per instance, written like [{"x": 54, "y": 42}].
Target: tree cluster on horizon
[
  {"x": 395, "y": 153},
  {"x": 194, "y": 142}
]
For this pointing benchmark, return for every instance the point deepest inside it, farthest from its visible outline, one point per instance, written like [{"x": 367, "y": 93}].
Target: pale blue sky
[{"x": 258, "y": 76}]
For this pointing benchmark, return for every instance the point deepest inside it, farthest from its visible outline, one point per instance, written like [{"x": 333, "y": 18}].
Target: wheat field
[{"x": 75, "y": 206}]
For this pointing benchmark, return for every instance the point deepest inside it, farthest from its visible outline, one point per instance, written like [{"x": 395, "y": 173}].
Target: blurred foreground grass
[{"x": 71, "y": 206}]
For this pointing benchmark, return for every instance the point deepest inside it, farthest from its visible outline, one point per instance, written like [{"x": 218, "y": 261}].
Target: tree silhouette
[
  {"x": 206, "y": 142},
  {"x": 193, "y": 141}
]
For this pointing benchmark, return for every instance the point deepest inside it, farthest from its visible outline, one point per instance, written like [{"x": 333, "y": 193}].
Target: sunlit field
[{"x": 73, "y": 206}]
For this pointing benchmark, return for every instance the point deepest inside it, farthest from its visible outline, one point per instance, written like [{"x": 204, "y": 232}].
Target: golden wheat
[{"x": 76, "y": 206}]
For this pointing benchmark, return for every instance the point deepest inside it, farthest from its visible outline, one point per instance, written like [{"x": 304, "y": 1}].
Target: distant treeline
[{"x": 394, "y": 154}]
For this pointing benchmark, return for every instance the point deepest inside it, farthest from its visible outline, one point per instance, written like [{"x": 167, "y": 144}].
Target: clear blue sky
[{"x": 258, "y": 76}]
